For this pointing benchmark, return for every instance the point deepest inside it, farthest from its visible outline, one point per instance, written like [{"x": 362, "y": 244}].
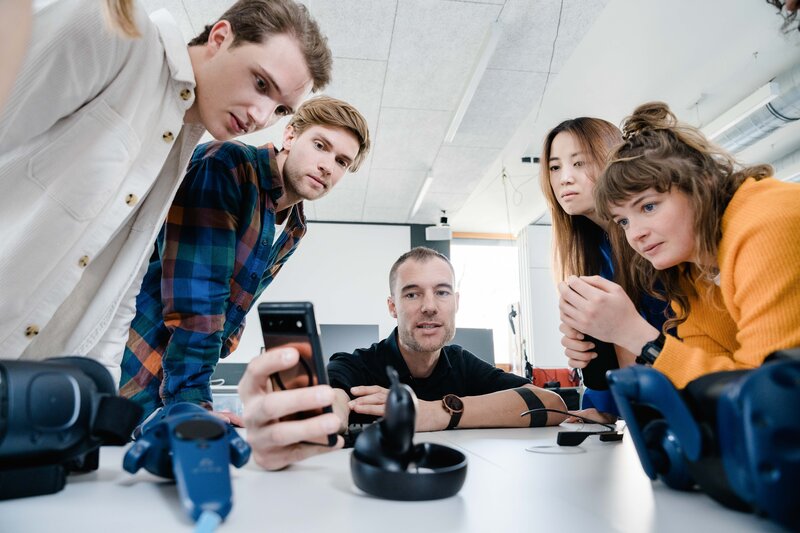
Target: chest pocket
[{"x": 85, "y": 165}]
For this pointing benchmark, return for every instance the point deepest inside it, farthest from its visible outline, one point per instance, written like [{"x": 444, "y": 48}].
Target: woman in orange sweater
[{"x": 723, "y": 241}]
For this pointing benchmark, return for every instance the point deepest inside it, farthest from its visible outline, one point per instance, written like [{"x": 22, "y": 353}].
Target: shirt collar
[
  {"x": 270, "y": 180},
  {"x": 175, "y": 48},
  {"x": 400, "y": 365}
]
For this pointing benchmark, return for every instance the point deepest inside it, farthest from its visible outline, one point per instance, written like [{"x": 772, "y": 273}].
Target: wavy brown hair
[
  {"x": 661, "y": 153},
  {"x": 576, "y": 239}
]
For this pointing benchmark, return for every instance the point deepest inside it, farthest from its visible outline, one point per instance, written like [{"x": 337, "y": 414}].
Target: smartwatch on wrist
[
  {"x": 651, "y": 351},
  {"x": 453, "y": 405}
]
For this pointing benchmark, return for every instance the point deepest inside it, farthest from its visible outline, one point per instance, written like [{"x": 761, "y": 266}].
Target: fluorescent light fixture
[
  {"x": 742, "y": 110},
  {"x": 489, "y": 44},
  {"x": 421, "y": 196}
]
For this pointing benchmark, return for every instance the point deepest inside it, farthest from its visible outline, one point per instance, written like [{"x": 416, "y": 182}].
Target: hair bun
[{"x": 648, "y": 117}]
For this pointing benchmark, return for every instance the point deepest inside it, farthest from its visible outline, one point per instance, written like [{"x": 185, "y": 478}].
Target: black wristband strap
[
  {"x": 651, "y": 350},
  {"x": 538, "y": 418}
]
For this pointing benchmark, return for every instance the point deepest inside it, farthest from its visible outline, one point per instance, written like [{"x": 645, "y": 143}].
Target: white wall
[
  {"x": 539, "y": 304},
  {"x": 343, "y": 269}
]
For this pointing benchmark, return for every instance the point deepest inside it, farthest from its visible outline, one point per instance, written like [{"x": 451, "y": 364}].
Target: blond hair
[{"x": 121, "y": 15}]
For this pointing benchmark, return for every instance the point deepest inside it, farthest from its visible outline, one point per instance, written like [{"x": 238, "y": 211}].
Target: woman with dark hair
[
  {"x": 574, "y": 154},
  {"x": 720, "y": 239}
]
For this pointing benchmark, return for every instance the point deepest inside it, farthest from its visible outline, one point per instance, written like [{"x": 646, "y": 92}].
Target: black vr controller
[
  {"x": 54, "y": 416},
  {"x": 732, "y": 434},
  {"x": 386, "y": 463}
]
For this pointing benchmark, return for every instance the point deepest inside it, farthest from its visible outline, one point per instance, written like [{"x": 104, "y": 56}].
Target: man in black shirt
[{"x": 454, "y": 387}]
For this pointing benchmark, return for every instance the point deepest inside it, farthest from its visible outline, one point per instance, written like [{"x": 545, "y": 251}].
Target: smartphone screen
[{"x": 292, "y": 324}]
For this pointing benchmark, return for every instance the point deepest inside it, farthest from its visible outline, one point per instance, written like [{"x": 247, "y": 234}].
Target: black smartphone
[{"x": 293, "y": 324}]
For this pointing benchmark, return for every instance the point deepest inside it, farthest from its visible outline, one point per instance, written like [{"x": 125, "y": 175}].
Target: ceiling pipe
[{"x": 780, "y": 111}]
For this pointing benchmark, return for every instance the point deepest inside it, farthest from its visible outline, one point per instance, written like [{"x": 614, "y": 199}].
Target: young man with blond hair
[{"x": 219, "y": 250}]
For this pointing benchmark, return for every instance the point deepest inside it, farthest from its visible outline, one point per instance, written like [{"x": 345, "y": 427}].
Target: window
[{"x": 487, "y": 277}]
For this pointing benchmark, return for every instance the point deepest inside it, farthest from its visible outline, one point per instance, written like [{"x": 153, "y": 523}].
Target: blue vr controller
[
  {"x": 727, "y": 433},
  {"x": 186, "y": 443}
]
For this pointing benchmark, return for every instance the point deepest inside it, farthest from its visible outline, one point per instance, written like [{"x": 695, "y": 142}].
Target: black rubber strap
[
  {"x": 115, "y": 420},
  {"x": 538, "y": 418}
]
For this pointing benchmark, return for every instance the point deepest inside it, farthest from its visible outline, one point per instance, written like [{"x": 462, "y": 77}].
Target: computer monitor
[{"x": 478, "y": 341}]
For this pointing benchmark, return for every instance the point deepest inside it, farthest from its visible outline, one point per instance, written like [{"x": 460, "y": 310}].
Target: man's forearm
[{"x": 495, "y": 410}]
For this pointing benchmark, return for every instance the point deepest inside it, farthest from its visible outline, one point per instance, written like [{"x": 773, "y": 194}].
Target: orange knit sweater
[{"x": 756, "y": 308}]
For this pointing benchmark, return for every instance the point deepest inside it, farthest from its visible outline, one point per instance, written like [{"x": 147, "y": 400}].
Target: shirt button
[
  {"x": 131, "y": 199},
  {"x": 31, "y": 331},
  {"x": 83, "y": 261},
  {"x": 167, "y": 136},
  {"x": 186, "y": 94},
  {"x": 253, "y": 275}
]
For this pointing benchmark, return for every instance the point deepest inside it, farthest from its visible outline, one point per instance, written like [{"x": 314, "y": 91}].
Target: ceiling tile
[
  {"x": 434, "y": 48},
  {"x": 360, "y": 83},
  {"x": 576, "y": 19},
  {"x": 528, "y": 31},
  {"x": 460, "y": 167},
  {"x": 503, "y": 100},
  {"x": 397, "y": 215},
  {"x": 356, "y": 180},
  {"x": 408, "y": 139},
  {"x": 363, "y": 30},
  {"x": 394, "y": 188},
  {"x": 431, "y": 209},
  {"x": 340, "y": 205},
  {"x": 205, "y": 12}
]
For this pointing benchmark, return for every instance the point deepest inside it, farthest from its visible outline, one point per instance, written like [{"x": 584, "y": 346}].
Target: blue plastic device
[
  {"x": 186, "y": 443},
  {"x": 727, "y": 433}
]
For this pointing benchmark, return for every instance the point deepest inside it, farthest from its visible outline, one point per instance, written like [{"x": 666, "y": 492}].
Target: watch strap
[{"x": 651, "y": 350}]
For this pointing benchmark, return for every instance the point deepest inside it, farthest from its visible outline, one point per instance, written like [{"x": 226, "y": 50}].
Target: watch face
[{"x": 453, "y": 403}]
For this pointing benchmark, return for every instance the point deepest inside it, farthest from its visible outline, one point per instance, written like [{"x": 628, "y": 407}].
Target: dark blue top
[{"x": 651, "y": 309}]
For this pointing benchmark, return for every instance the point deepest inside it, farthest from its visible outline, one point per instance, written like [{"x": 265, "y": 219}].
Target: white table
[{"x": 600, "y": 488}]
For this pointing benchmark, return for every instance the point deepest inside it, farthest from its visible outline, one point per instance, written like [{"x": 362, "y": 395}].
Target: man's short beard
[{"x": 408, "y": 340}]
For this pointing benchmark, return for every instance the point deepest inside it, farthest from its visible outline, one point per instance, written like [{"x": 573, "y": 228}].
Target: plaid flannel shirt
[{"x": 213, "y": 258}]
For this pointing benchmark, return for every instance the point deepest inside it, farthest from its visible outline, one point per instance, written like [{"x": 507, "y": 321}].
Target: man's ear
[
  {"x": 458, "y": 296},
  {"x": 220, "y": 32},
  {"x": 392, "y": 308},
  {"x": 288, "y": 137}
]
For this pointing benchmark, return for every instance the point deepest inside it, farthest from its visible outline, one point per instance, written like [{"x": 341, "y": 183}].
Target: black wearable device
[
  {"x": 386, "y": 463},
  {"x": 54, "y": 416}
]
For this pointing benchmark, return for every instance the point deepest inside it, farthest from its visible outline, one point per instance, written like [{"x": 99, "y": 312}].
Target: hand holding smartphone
[{"x": 292, "y": 324}]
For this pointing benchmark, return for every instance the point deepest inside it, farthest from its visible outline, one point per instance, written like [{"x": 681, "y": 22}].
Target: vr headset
[
  {"x": 735, "y": 435},
  {"x": 54, "y": 416}
]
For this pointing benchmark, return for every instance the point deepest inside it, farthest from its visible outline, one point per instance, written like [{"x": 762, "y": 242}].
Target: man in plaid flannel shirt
[{"x": 217, "y": 251}]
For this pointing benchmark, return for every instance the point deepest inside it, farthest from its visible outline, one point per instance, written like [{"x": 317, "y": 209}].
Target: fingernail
[
  {"x": 580, "y": 336},
  {"x": 287, "y": 356}
]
